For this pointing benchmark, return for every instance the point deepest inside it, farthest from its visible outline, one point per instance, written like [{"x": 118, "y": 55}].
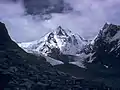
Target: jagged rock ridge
[{"x": 106, "y": 46}]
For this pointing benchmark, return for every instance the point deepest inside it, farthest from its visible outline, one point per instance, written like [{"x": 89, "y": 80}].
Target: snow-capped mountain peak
[
  {"x": 58, "y": 41},
  {"x": 61, "y": 32}
]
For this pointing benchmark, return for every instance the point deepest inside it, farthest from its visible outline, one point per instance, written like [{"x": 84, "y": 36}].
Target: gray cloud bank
[{"x": 86, "y": 19}]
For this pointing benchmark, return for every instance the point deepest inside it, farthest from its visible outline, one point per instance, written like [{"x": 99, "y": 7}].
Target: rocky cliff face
[
  {"x": 103, "y": 54},
  {"x": 106, "y": 46}
]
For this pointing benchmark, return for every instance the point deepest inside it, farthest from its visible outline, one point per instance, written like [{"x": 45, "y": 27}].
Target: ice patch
[{"x": 53, "y": 61}]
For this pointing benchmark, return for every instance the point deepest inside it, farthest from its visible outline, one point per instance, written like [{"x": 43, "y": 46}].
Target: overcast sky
[{"x": 86, "y": 19}]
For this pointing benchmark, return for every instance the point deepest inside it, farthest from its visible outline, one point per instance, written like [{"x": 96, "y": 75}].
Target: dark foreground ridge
[
  {"x": 22, "y": 71},
  {"x": 4, "y": 37}
]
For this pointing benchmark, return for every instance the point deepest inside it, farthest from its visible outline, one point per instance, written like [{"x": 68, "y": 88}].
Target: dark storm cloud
[
  {"x": 20, "y": 26},
  {"x": 87, "y": 17}
]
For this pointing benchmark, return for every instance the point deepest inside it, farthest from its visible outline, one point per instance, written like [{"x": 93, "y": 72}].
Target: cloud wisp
[
  {"x": 86, "y": 19},
  {"x": 21, "y": 27}
]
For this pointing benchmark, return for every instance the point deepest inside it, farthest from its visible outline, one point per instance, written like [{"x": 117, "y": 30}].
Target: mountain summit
[{"x": 59, "y": 41}]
